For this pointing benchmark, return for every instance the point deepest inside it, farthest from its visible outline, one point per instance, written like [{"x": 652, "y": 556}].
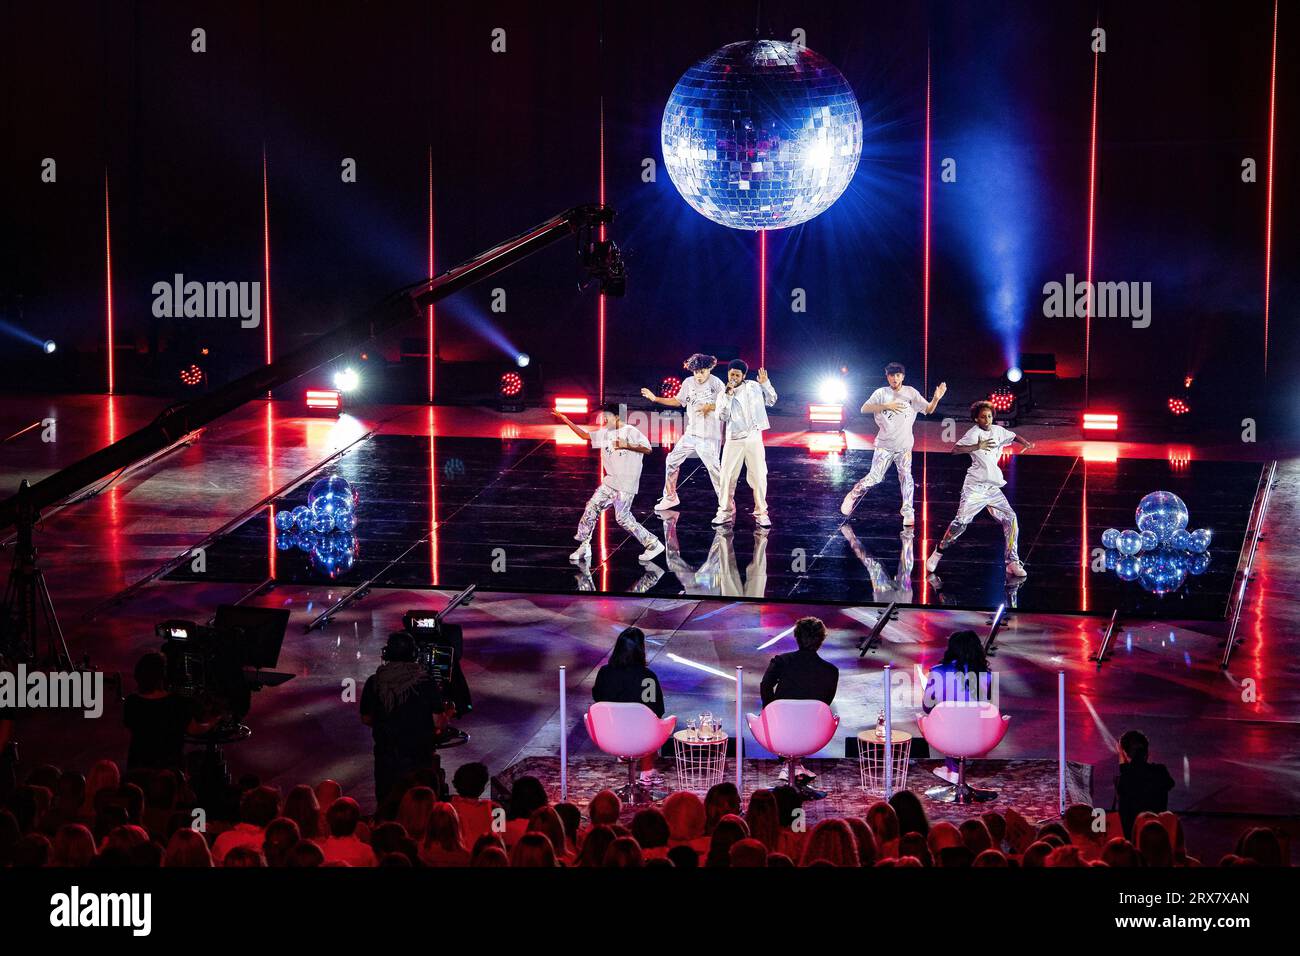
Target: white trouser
[
  {"x": 975, "y": 497},
  {"x": 744, "y": 453},
  {"x": 881, "y": 459},
  {"x": 606, "y": 497},
  {"x": 706, "y": 449}
]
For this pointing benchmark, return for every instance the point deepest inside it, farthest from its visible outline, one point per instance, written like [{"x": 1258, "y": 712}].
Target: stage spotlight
[
  {"x": 1014, "y": 374},
  {"x": 192, "y": 375},
  {"x": 832, "y": 390},
  {"x": 670, "y": 386},
  {"x": 522, "y": 359},
  {"x": 1178, "y": 406},
  {"x": 1006, "y": 407},
  {"x": 510, "y": 392},
  {"x": 1100, "y": 422},
  {"x": 571, "y": 405},
  {"x": 48, "y": 347},
  {"x": 347, "y": 380}
]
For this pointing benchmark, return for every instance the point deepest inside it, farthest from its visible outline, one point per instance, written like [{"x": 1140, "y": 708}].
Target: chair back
[
  {"x": 627, "y": 729},
  {"x": 961, "y": 729},
  {"x": 794, "y": 728}
]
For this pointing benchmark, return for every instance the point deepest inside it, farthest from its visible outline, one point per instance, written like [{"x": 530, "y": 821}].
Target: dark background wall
[{"x": 114, "y": 87}]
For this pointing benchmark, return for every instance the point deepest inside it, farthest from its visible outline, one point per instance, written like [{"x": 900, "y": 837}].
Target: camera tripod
[{"x": 27, "y": 603}]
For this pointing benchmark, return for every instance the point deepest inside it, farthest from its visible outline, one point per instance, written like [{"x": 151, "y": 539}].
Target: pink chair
[
  {"x": 630, "y": 731},
  {"x": 792, "y": 729},
  {"x": 960, "y": 729}
]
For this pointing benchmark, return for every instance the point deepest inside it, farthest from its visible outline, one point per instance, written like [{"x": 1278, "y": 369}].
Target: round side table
[
  {"x": 871, "y": 760},
  {"x": 701, "y": 762}
]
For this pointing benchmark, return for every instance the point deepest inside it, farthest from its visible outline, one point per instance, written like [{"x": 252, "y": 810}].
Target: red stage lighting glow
[
  {"x": 192, "y": 375},
  {"x": 266, "y": 258},
  {"x": 670, "y": 386},
  {"x": 827, "y": 443},
  {"x": 1179, "y": 458},
  {"x": 1092, "y": 205},
  {"x": 1002, "y": 399},
  {"x": 432, "y": 349},
  {"x": 571, "y": 405},
  {"x": 1268, "y": 215},
  {"x": 925, "y": 269},
  {"x": 1179, "y": 406},
  {"x": 825, "y": 414},
  {"x": 511, "y": 385},
  {"x": 762, "y": 298}
]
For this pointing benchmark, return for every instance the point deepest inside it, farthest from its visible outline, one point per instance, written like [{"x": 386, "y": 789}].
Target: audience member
[
  {"x": 831, "y": 841},
  {"x": 533, "y": 849},
  {"x": 626, "y": 679},
  {"x": 258, "y": 807},
  {"x": 1141, "y": 785},
  {"x": 343, "y": 845},
  {"x": 730, "y": 829}
]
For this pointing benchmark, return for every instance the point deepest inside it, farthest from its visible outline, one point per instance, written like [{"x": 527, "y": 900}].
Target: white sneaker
[
  {"x": 849, "y": 503},
  {"x": 1016, "y": 569},
  {"x": 763, "y": 521},
  {"x": 582, "y": 555},
  {"x": 909, "y": 520},
  {"x": 932, "y": 562},
  {"x": 666, "y": 504},
  {"x": 652, "y": 551},
  {"x": 723, "y": 518}
]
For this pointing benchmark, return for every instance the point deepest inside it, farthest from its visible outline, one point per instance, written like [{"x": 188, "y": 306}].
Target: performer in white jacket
[{"x": 744, "y": 409}]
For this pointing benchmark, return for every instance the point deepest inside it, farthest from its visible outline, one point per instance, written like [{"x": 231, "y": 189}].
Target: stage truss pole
[
  {"x": 889, "y": 735},
  {"x": 740, "y": 733},
  {"x": 564, "y": 740},
  {"x": 1060, "y": 738}
]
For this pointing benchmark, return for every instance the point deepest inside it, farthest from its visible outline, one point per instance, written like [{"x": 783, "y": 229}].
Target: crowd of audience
[{"x": 148, "y": 818}]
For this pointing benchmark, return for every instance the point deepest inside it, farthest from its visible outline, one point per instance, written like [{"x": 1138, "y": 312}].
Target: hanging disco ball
[{"x": 761, "y": 134}]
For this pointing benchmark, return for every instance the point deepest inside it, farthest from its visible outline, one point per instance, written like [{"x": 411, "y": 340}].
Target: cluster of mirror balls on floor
[
  {"x": 1161, "y": 553},
  {"x": 324, "y": 527}
]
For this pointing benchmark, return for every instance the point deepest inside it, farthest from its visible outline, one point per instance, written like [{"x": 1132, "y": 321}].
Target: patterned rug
[{"x": 1028, "y": 786}]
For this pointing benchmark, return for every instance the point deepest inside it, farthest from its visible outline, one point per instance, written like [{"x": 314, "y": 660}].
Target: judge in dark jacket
[
  {"x": 1141, "y": 785},
  {"x": 626, "y": 679},
  {"x": 801, "y": 674}
]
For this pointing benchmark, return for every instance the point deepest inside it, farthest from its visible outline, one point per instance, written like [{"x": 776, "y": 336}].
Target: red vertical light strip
[
  {"x": 108, "y": 285},
  {"x": 266, "y": 259},
  {"x": 925, "y": 530},
  {"x": 432, "y": 350},
  {"x": 1268, "y": 216},
  {"x": 600, "y": 301},
  {"x": 433, "y": 501},
  {"x": 1083, "y": 544},
  {"x": 270, "y": 490},
  {"x": 762, "y": 298},
  {"x": 925, "y": 269},
  {"x": 1092, "y": 193}
]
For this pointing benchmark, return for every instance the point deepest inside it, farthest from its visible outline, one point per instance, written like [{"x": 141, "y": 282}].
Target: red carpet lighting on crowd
[
  {"x": 108, "y": 282},
  {"x": 823, "y": 413},
  {"x": 670, "y": 386},
  {"x": 570, "y": 405},
  {"x": 321, "y": 400},
  {"x": 1178, "y": 406},
  {"x": 192, "y": 376},
  {"x": 1100, "y": 422}
]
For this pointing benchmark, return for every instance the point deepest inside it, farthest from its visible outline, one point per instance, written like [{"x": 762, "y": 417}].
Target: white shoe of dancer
[
  {"x": 652, "y": 551},
  {"x": 582, "y": 555},
  {"x": 666, "y": 504},
  {"x": 932, "y": 562},
  {"x": 1016, "y": 569}
]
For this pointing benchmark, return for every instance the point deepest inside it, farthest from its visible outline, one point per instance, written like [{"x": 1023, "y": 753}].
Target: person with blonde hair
[
  {"x": 443, "y": 844},
  {"x": 832, "y": 841},
  {"x": 414, "y": 811}
]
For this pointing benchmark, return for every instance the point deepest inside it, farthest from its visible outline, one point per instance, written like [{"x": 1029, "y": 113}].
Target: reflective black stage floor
[{"x": 506, "y": 512}]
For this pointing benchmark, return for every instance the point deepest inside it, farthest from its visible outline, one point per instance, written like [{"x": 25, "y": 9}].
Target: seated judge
[
  {"x": 626, "y": 679},
  {"x": 801, "y": 674}
]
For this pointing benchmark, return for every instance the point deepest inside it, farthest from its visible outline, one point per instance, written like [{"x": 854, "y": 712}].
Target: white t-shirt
[
  {"x": 984, "y": 464},
  {"x": 692, "y": 395},
  {"x": 895, "y": 432},
  {"x": 620, "y": 468}
]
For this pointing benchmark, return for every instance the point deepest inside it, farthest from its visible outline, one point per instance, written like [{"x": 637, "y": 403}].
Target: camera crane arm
[{"x": 600, "y": 258}]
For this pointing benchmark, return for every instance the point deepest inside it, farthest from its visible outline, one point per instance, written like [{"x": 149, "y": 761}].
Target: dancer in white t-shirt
[
  {"x": 983, "y": 486},
  {"x": 702, "y": 436},
  {"x": 622, "y": 448},
  {"x": 895, "y": 407}
]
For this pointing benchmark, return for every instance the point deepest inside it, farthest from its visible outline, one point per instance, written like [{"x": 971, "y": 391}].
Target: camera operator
[
  {"x": 156, "y": 718},
  {"x": 403, "y": 707}
]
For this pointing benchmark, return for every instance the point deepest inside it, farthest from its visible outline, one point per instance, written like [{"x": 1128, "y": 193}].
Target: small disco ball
[
  {"x": 284, "y": 520},
  {"x": 1198, "y": 563},
  {"x": 761, "y": 134},
  {"x": 1111, "y": 558},
  {"x": 1126, "y": 569},
  {"x": 1181, "y": 540},
  {"x": 284, "y": 540},
  {"x": 1110, "y": 538},
  {"x": 1150, "y": 541},
  {"x": 1129, "y": 544},
  {"x": 345, "y": 521},
  {"x": 1200, "y": 540},
  {"x": 321, "y": 522},
  {"x": 301, "y": 517},
  {"x": 1162, "y": 512}
]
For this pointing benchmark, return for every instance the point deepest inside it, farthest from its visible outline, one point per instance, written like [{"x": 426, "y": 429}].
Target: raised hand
[
  {"x": 762, "y": 376},
  {"x": 646, "y": 393},
  {"x": 940, "y": 390}
]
